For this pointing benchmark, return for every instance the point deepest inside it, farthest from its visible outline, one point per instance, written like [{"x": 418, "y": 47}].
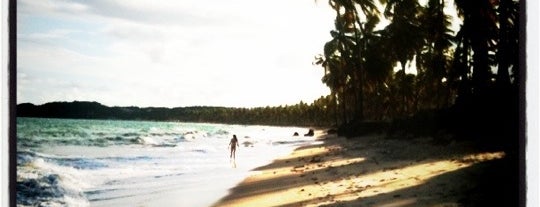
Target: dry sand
[{"x": 367, "y": 171}]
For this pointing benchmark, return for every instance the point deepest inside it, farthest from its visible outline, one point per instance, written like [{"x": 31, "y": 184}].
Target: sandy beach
[{"x": 372, "y": 171}]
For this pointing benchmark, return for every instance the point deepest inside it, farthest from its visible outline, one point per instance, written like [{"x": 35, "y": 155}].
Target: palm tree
[
  {"x": 343, "y": 53},
  {"x": 433, "y": 62},
  {"x": 404, "y": 34},
  {"x": 479, "y": 32},
  {"x": 487, "y": 42},
  {"x": 378, "y": 68},
  {"x": 349, "y": 23},
  {"x": 336, "y": 68},
  {"x": 508, "y": 41}
]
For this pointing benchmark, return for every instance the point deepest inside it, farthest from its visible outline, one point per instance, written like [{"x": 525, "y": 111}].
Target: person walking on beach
[{"x": 233, "y": 144}]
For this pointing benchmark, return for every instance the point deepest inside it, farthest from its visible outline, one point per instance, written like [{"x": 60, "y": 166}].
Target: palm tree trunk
[
  {"x": 359, "y": 67},
  {"x": 503, "y": 77},
  {"x": 403, "y": 85},
  {"x": 336, "y": 109}
]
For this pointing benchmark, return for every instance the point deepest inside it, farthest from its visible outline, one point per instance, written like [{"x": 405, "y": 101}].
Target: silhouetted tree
[
  {"x": 343, "y": 58},
  {"x": 508, "y": 42},
  {"x": 404, "y": 34},
  {"x": 477, "y": 36},
  {"x": 434, "y": 60}
]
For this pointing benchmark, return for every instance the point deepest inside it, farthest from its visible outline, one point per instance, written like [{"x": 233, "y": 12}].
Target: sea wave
[
  {"x": 52, "y": 180},
  {"x": 44, "y": 183},
  {"x": 29, "y": 157},
  {"x": 48, "y": 190}
]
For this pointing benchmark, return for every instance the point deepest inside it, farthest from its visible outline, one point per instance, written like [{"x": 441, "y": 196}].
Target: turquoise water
[
  {"x": 36, "y": 132},
  {"x": 67, "y": 162}
]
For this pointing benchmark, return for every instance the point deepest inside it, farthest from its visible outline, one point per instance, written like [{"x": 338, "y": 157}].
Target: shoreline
[
  {"x": 368, "y": 171},
  {"x": 124, "y": 163}
]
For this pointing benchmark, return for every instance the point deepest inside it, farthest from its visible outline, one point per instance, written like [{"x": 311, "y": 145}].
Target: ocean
[{"x": 72, "y": 162}]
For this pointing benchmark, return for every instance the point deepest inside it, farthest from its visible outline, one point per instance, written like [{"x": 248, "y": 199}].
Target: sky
[{"x": 171, "y": 53}]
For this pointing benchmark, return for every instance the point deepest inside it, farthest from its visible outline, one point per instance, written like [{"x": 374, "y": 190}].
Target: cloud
[
  {"x": 190, "y": 13},
  {"x": 50, "y": 6},
  {"x": 171, "y": 53},
  {"x": 164, "y": 12}
]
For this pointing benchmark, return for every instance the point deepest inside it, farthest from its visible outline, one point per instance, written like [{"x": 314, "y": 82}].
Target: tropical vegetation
[{"x": 467, "y": 80}]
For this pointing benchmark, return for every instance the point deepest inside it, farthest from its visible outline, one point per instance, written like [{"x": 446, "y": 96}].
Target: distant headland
[{"x": 294, "y": 115}]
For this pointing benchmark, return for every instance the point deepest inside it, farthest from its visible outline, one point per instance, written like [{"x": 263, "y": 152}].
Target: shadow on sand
[{"x": 486, "y": 183}]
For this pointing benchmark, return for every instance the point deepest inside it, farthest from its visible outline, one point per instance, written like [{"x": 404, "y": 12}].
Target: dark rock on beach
[{"x": 310, "y": 133}]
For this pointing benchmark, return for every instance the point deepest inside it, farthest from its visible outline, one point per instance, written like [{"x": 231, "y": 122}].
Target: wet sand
[{"x": 368, "y": 171}]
